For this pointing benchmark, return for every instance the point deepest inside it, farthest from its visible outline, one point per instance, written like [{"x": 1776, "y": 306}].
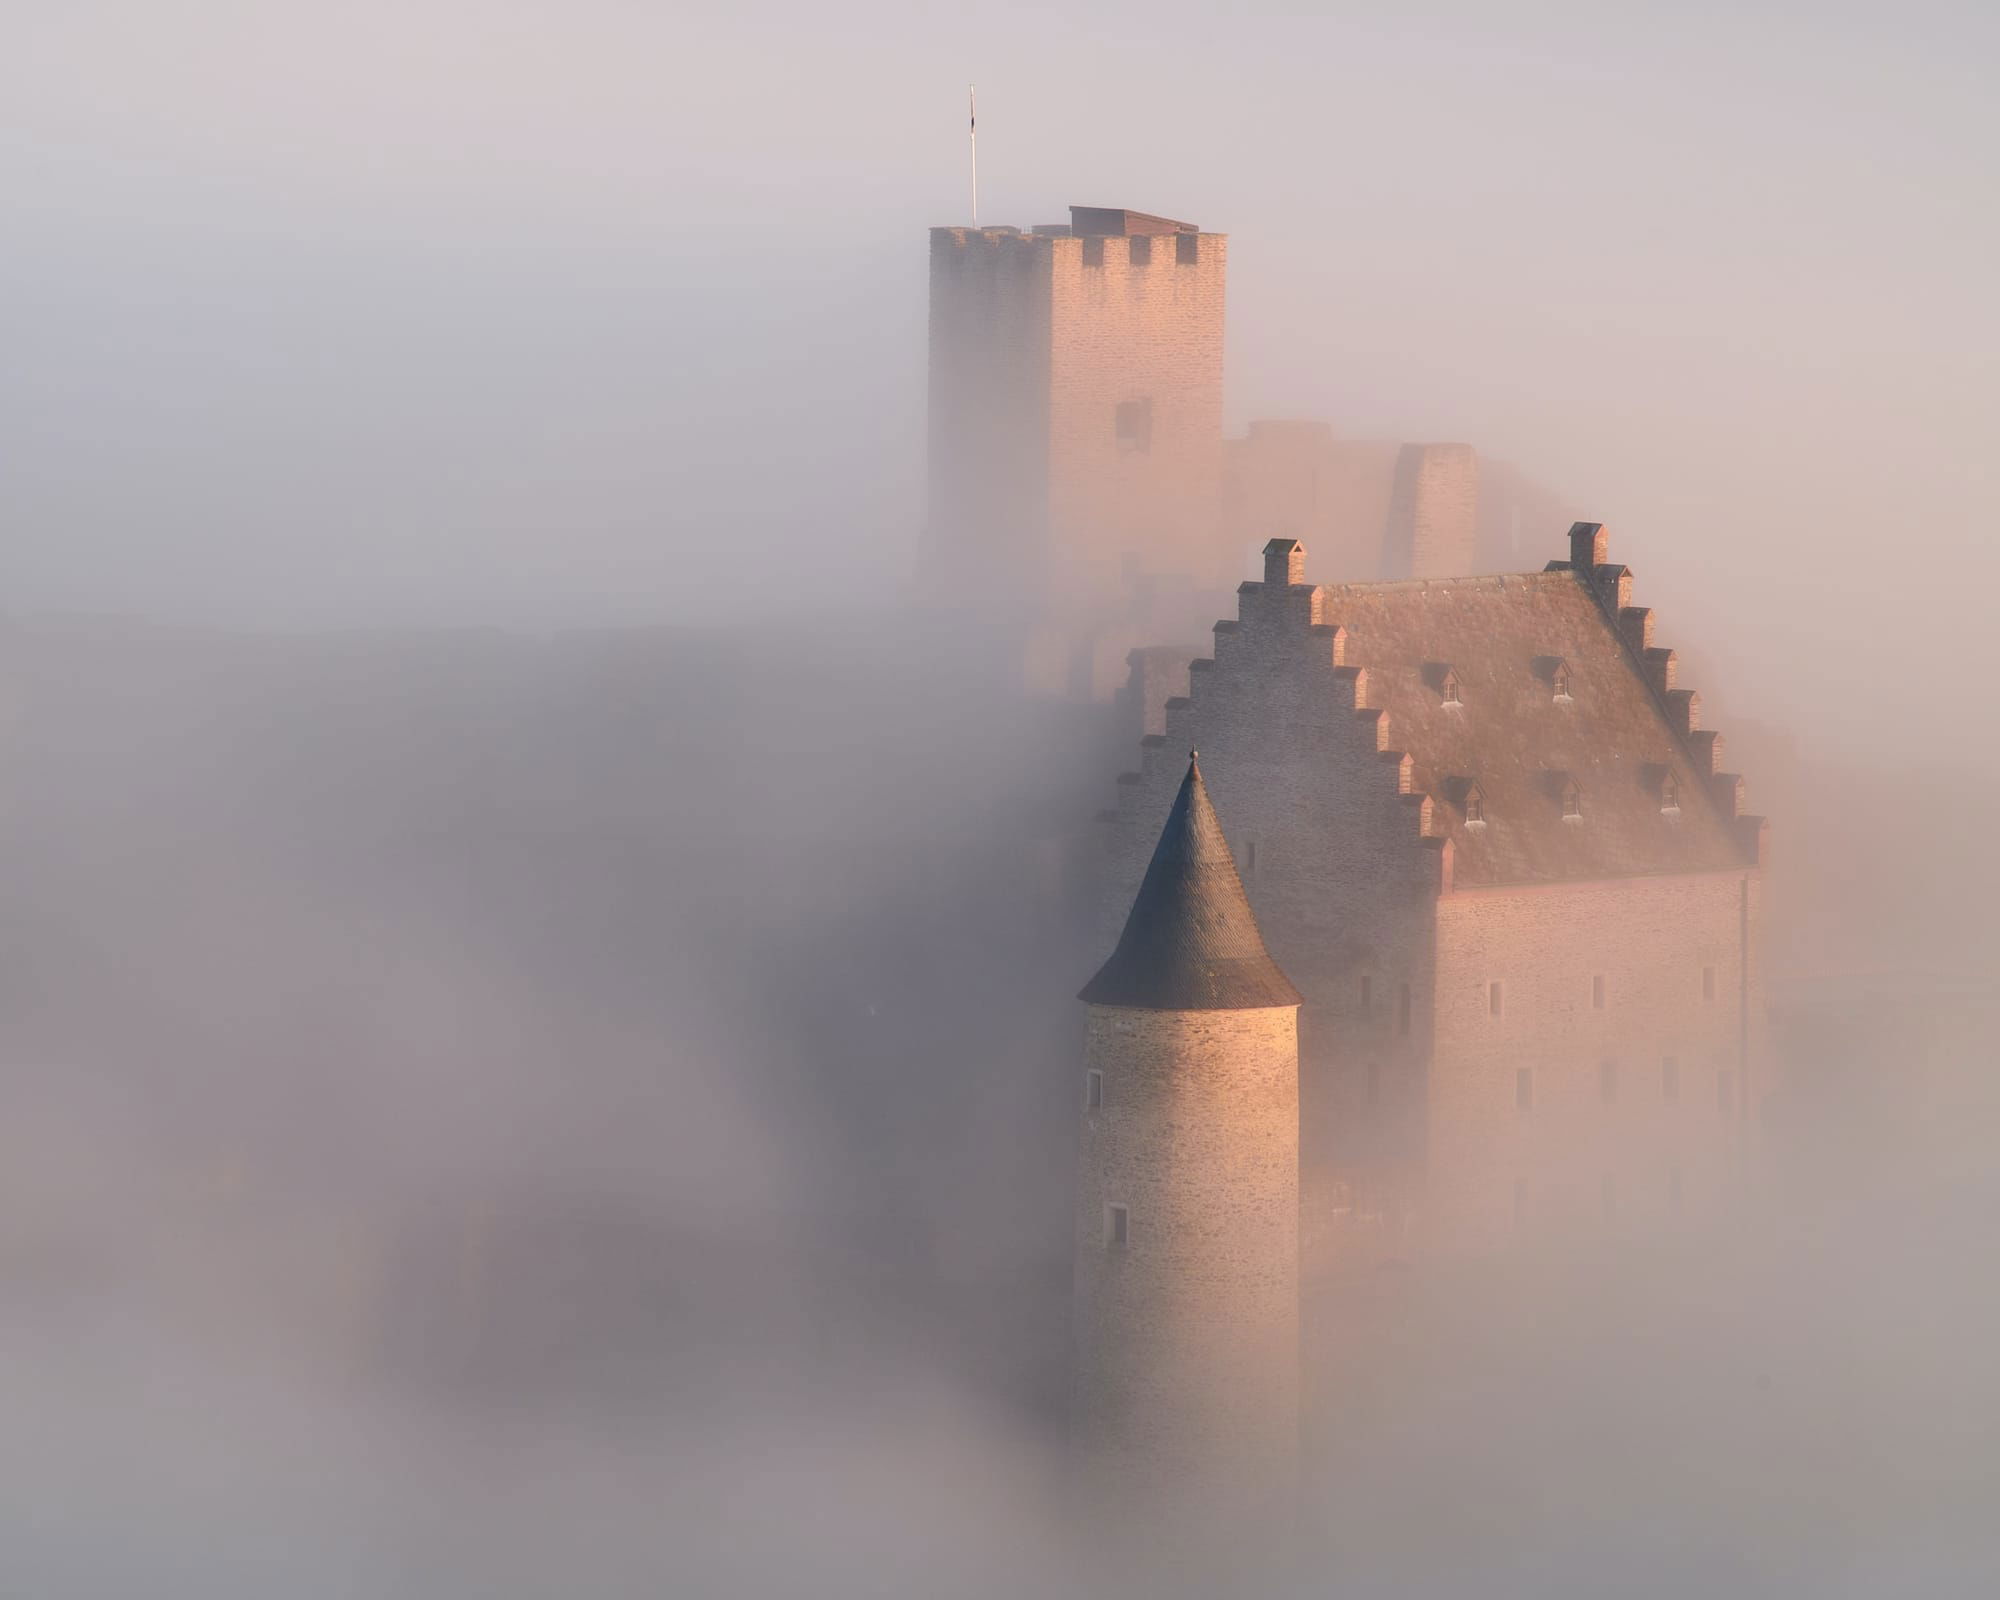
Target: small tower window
[
  {"x": 1597, "y": 992},
  {"x": 1117, "y": 1227},
  {"x": 1093, "y": 1091},
  {"x": 1135, "y": 426},
  {"x": 1524, "y": 1089},
  {"x": 1494, "y": 998},
  {"x": 1670, "y": 1080}
]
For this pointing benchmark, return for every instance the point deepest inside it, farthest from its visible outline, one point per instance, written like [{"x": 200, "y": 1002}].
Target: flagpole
[{"x": 972, "y": 145}]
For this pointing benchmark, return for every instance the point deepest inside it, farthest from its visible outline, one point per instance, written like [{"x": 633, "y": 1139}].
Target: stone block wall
[
  {"x": 1186, "y": 1396},
  {"x": 1601, "y": 984}
]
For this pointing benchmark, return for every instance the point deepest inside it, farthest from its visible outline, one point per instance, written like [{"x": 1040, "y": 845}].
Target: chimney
[
  {"x": 1588, "y": 546},
  {"x": 1284, "y": 562}
]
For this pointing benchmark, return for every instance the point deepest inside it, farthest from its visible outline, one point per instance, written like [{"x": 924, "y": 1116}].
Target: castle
[
  {"x": 1477, "y": 819},
  {"x": 1079, "y": 473}
]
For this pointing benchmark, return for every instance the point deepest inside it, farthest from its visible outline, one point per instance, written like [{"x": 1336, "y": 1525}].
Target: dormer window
[
  {"x": 1555, "y": 674},
  {"x": 1443, "y": 677},
  {"x": 1475, "y": 807},
  {"x": 1670, "y": 793},
  {"x": 1572, "y": 801},
  {"x": 1559, "y": 682}
]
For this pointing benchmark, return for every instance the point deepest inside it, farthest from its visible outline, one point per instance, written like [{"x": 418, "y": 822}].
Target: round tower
[{"x": 1186, "y": 1387}]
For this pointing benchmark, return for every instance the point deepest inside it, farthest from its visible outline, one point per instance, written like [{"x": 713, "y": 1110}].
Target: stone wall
[
  {"x": 1187, "y": 1384},
  {"x": 1600, "y": 985},
  {"x": 1137, "y": 323}
]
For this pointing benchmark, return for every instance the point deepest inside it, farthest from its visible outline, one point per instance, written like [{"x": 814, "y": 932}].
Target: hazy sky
[{"x": 540, "y": 312}]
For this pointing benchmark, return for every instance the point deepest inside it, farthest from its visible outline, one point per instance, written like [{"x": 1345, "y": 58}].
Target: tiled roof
[
  {"x": 1191, "y": 942},
  {"x": 1507, "y": 643}
]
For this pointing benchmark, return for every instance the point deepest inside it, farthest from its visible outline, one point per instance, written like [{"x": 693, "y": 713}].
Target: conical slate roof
[{"x": 1191, "y": 942}]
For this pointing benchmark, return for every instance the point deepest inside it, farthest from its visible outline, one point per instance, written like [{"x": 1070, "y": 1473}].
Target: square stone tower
[{"x": 1076, "y": 416}]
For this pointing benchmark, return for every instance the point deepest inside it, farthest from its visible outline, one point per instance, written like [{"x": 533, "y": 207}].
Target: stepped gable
[
  {"x": 1471, "y": 672},
  {"x": 1191, "y": 942}
]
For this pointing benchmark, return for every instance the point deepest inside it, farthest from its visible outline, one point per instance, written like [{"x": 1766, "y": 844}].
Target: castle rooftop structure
[
  {"x": 1485, "y": 834},
  {"x": 1191, "y": 942}
]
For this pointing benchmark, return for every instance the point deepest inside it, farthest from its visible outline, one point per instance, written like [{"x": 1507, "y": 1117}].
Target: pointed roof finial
[{"x": 1191, "y": 942}]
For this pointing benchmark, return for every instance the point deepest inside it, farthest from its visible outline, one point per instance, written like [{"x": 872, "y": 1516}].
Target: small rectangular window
[
  {"x": 1670, "y": 1080},
  {"x": 1093, "y": 1091},
  {"x": 1597, "y": 992},
  {"x": 1133, "y": 426},
  {"x": 1524, "y": 1089},
  {"x": 1367, "y": 995},
  {"x": 1725, "y": 1093},
  {"x": 1607, "y": 1082},
  {"x": 1403, "y": 1009},
  {"x": 1187, "y": 249},
  {"x": 1117, "y": 1229},
  {"x": 1708, "y": 983},
  {"x": 1142, "y": 250},
  {"x": 1093, "y": 252}
]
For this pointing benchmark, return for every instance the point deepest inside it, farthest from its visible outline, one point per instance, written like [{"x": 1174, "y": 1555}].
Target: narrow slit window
[
  {"x": 1093, "y": 1091},
  {"x": 1597, "y": 992},
  {"x": 1495, "y": 1000},
  {"x": 1403, "y": 1009},
  {"x": 1250, "y": 858},
  {"x": 1607, "y": 1082},
  {"x": 1524, "y": 1089},
  {"x": 1708, "y": 983},
  {"x": 1135, "y": 426},
  {"x": 1117, "y": 1227}
]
